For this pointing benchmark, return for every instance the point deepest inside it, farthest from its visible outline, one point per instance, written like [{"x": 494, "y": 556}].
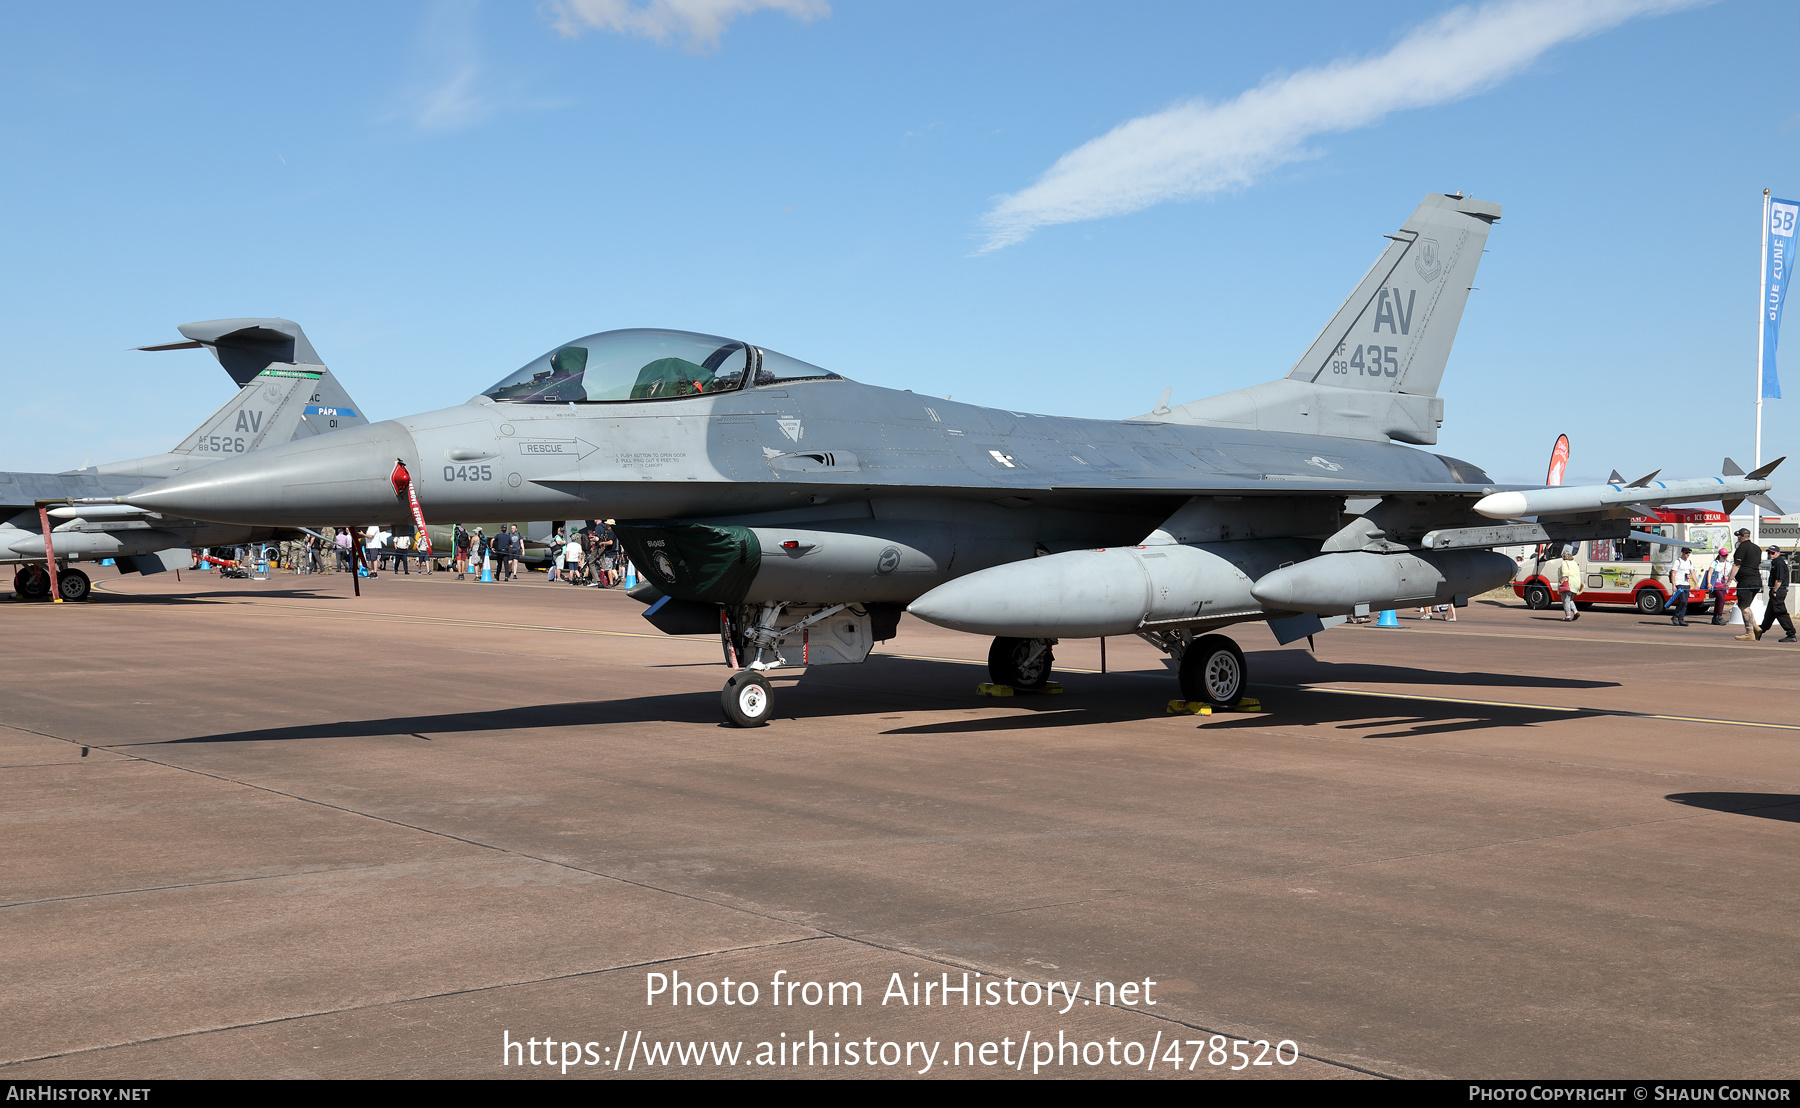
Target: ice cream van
[{"x": 1630, "y": 571}]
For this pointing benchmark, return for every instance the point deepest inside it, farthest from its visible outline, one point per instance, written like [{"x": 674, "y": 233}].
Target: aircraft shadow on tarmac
[
  {"x": 1781, "y": 806},
  {"x": 905, "y": 685},
  {"x": 1299, "y": 666},
  {"x": 107, "y": 596}
]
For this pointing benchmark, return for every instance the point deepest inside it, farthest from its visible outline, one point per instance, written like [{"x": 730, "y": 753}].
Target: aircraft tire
[
  {"x": 1213, "y": 671},
  {"x": 31, "y": 583},
  {"x": 73, "y": 584},
  {"x": 1537, "y": 597},
  {"x": 747, "y": 699},
  {"x": 1017, "y": 664}
]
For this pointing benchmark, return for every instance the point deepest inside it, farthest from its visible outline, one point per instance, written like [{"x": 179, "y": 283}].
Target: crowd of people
[
  {"x": 584, "y": 554},
  {"x": 1740, "y": 568}
]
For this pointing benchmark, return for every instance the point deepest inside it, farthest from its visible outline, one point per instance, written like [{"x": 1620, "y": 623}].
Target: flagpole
[{"x": 1762, "y": 305}]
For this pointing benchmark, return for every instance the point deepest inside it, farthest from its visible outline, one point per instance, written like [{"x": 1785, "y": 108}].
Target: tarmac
[{"x": 270, "y": 829}]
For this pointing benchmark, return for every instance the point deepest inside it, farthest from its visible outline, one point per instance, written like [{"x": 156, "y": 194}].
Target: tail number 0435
[{"x": 468, "y": 473}]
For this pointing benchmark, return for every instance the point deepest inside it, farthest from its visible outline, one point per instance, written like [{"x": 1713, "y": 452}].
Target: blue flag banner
[{"x": 1778, "y": 259}]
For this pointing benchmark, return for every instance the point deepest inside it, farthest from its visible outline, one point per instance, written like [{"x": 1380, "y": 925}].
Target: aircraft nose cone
[{"x": 336, "y": 478}]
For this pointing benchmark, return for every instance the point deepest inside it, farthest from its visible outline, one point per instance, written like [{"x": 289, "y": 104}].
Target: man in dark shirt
[
  {"x": 1746, "y": 563},
  {"x": 1779, "y": 574}
]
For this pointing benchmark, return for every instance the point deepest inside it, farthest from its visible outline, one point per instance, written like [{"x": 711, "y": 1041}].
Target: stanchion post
[{"x": 49, "y": 555}]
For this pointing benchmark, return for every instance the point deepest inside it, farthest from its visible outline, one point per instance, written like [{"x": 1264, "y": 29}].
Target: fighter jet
[
  {"x": 798, "y": 513},
  {"x": 284, "y": 394}
]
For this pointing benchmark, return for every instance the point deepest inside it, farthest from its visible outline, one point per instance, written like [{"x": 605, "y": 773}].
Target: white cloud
[
  {"x": 444, "y": 94},
  {"x": 701, "y": 21},
  {"x": 1198, "y": 148}
]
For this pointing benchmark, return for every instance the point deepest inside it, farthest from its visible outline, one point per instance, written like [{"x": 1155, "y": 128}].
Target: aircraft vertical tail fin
[
  {"x": 1393, "y": 333},
  {"x": 286, "y": 394},
  {"x": 1374, "y": 371}
]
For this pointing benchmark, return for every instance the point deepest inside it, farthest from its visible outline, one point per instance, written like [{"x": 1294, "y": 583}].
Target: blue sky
[{"x": 439, "y": 192}]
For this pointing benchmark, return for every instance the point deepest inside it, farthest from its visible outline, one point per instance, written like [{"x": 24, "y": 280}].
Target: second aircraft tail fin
[{"x": 286, "y": 394}]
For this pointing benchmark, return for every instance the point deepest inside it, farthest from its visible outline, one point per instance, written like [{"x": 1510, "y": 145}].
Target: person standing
[
  {"x": 459, "y": 542},
  {"x": 1746, "y": 563},
  {"x": 556, "y": 553},
  {"x": 1681, "y": 579},
  {"x": 1718, "y": 583},
  {"x": 572, "y": 558},
  {"x": 1570, "y": 584},
  {"x": 609, "y": 554},
  {"x": 500, "y": 546},
  {"x": 482, "y": 553},
  {"x": 1780, "y": 574}
]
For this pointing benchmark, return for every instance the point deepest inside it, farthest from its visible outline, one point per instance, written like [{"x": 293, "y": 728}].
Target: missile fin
[
  {"x": 1762, "y": 501},
  {"x": 1731, "y": 503},
  {"x": 1732, "y": 469},
  {"x": 1617, "y": 478},
  {"x": 1648, "y": 510},
  {"x": 1644, "y": 480},
  {"x": 1760, "y": 472}
]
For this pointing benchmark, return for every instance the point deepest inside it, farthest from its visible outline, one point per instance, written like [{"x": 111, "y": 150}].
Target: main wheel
[
  {"x": 1537, "y": 597},
  {"x": 32, "y": 583},
  {"x": 1649, "y": 601},
  {"x": 1213, "y": 671},
  {"x": 747, "y": 699},
  {"x": 1021, "y": 663},
  {"x": 73, "y": 584}
]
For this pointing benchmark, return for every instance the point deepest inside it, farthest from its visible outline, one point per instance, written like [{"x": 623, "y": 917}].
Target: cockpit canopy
[{"x": 644, "y": 364}]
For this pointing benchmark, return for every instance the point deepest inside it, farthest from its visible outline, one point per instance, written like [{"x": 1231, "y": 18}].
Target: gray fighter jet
[
  {"x": 798, "y": 513},
  {"x": 284, "y": 394}
]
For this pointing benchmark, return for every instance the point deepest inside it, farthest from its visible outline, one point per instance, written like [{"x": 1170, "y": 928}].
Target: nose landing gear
[{"x": 747, "y": 699}]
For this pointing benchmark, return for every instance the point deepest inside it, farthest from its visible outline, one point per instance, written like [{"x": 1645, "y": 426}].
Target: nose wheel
[{"x": 747, "y": 700}]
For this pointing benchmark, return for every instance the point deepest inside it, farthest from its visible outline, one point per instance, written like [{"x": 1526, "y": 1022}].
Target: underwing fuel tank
[
  {"x": 1336, "y": 584},
  {"x": 1090, "y": 593}
]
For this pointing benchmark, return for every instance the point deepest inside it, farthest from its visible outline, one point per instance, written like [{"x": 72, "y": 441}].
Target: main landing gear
[
  {"x": 1211, "y": 667},
  {"x": 1213, "y": 671},
  {"x": 33, "y": 583},
  {"x": 1021, "y": 664}
]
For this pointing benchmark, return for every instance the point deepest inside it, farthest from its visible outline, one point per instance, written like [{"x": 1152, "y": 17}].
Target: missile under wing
[{"x": 798, "y": 512}]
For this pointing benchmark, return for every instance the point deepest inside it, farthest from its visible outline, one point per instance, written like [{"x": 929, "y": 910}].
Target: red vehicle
[{"x": 1631, "y": 571}]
